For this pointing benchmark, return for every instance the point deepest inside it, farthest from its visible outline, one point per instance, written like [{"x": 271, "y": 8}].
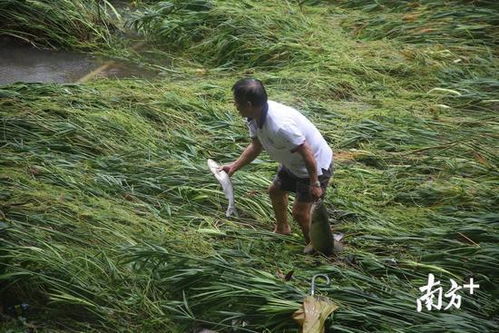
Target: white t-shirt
[{"x": 283, "y": 130}]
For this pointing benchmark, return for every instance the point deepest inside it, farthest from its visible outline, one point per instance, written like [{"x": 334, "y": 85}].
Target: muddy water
[{"x": 24, "y": 63}]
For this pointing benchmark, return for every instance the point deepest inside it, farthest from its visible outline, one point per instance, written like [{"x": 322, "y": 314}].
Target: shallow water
[{"x": 24, "y": 63}]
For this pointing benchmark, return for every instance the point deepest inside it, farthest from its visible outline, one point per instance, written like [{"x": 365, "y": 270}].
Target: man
[{"x": 291, "y": 139}]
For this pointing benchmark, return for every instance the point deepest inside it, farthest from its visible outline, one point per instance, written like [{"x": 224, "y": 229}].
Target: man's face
[{"x": 244, "y": 109}]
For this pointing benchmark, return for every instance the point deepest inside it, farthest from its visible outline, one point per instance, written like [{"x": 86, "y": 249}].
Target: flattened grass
[
  {"x": 226, "y": 33},
  {"x": 115, "y": 223},
  {"x": 138, "y": 191},
  {"x": 454, "y": 22},
  {"x": 60, "y": 23}
]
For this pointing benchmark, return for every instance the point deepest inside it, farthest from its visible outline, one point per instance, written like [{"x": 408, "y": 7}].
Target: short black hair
[{"x": 250, "y": 90}]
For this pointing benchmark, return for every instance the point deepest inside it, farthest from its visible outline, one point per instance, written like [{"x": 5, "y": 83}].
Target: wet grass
[
  {"x": 60, "y": 24},
  {"x": 112, "y": 221},
  {"x": 454, "y": 22}
]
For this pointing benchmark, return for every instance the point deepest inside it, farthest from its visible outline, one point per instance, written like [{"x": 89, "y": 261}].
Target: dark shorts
[{"x": 286, "y": 181}]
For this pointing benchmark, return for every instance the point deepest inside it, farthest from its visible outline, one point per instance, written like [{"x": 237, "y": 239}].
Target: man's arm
[
  {"x": 292, "y": 138},
  {"x": 249, "y": 154},
  {"x": 311, "y": 164}
]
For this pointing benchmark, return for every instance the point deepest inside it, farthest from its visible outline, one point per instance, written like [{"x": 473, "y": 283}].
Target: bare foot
[{"x": 283, "y": 230}]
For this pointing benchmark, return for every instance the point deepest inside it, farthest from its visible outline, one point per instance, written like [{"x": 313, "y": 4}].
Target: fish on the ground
[
  {"x": 224, "y": 180},
  {"x": 321, "y": 238}
]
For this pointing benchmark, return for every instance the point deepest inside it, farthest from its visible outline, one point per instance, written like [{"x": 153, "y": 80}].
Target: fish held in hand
[
  {"x": 321, "y": 237},
  {"x": 224, "y": 180}
]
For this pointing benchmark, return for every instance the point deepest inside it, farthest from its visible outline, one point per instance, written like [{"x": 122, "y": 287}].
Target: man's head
[{"x": 249, "y": 96}]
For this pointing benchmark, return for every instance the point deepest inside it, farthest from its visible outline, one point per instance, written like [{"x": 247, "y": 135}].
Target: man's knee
[{"x": 275, "y": 191}]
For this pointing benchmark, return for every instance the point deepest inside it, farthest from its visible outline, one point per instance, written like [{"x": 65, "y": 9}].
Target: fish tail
[{"x": 231, "y": 210}]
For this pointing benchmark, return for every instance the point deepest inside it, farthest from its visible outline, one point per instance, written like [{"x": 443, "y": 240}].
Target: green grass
[
  {"x": 114, "y": 222},
  {"x": 61, "y": 23},
  {"x": 453, "y": 22},
  {"x": 228, "y": 34}
]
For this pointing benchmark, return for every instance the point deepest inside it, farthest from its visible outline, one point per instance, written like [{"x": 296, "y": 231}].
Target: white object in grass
[{"x": 224, "y": 180}]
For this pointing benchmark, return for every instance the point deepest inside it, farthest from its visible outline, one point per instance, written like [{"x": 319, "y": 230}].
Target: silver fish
[
  {"x": 224, "y": 180},
  {"x": 321, "y": 237}
]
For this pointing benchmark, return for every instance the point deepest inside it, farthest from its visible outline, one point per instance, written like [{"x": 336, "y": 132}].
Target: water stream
[{"x": 20, "y": 62}]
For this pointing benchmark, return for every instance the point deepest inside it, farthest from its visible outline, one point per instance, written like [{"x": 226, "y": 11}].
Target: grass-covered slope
[
  {"x": 70, "y": 24},
  {"x": 111, "y": 220},
  {"x": 452, "y": 22}
]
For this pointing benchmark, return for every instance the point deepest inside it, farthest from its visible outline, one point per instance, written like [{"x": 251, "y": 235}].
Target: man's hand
[
  {"x": 229, "y": 168},
  {"x": 308, "y": 158},
  {"x": 316, "y": 192}
]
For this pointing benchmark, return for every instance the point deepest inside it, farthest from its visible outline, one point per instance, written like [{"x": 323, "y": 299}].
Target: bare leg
[
  {"x": 279, "y": 200},
  {"x": 302, "y": 215}
]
